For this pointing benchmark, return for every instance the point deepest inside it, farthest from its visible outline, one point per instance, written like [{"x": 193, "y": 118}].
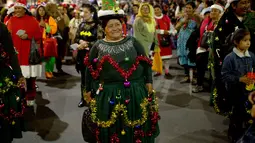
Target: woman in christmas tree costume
[
  {"x": 119, "y": 85},
  {"x": 10, "y": 98}
]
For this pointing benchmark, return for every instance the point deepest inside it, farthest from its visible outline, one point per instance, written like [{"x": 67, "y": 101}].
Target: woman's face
[
  {"x": 87, "y": 14},
  {"x": 19, "y": 11},
  {"x": 242, "y": 7},
  {"x": 135, "y": 9},
  {"x": 145, "y": 10},
  {"x": 189, "y": 9},
  {"x": 215, "y": 13},
  {"x": 113, "y": 29},
  {"x": 158, "y": 11},
  {"x": 77, "y": 15},
  {"x": 41, "y": 11}
]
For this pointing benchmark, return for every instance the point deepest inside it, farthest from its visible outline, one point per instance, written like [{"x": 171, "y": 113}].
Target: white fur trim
[
  {"x": 216, "y": 6},
  {"x": 229, "y": 2},
  {"x": 159, "y": 17},
  {"x": 10, "y": 10},
  {"x": 31, "y": 71},
  {"x": 164, "y": 57},
  {"x": 20, "y": 4},
  {"x": 109, "y": 12}
]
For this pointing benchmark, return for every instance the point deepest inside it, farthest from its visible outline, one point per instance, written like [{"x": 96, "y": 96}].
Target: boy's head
[{"x": 242, "y": 39}]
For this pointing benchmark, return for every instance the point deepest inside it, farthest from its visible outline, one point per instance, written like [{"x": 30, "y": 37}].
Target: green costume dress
[
  {"x": 121, "y": 107},
  {"x": 10, "y": 99}
]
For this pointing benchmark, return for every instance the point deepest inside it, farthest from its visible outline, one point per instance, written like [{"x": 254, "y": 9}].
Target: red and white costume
[
  {"x": 32, "y": 28},
  {"x": 164, "y": 23}
]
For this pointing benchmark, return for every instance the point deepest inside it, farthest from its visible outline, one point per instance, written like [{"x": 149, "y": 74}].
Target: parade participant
[
  {"x": 10, "y": 13},
  {"x": 119, "y": 85},
  {"x": 164, "y": 30},
  {"x": 11, "y": 109},
  {"x": 237, "y": 15},
  {"x": 188, "y": 23},
  {"x": 144, "y": 27},
  {"x": 235, "y": 69},
  {"x": 86, "y": 36},
  {"x": 202, "y": 53},
  {"x": 24, "y": 29},
  {"x": 61, "y": 35},
  {"x": 48, "y": 27}
]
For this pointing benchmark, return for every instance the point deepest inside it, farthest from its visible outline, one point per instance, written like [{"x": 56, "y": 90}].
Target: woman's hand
[
  {"x": 42, "y": 23},
  {"x": 24, "y": 36},
  {"x": 22, "y": 82},
  {"x": 149, "y": 88},
  {"x": 87, "y": 96}
]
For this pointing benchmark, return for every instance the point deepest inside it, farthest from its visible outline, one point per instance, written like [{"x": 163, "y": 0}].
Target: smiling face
[
  {"x": 158, "y": 11},
  {"x": 19, "y": 11},
  {"x": 242, "y": 7},
  {"x": 189, "y": 9},
  {"x": 113, "y": 29},
  {"x": 87, "y": 15},
  {"x": 215, "y": 13},
  {"x": 145, "y": 10}
]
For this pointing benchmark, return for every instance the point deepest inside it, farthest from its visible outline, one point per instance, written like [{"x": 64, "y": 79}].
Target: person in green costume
[
  {"x": 119, "y": 85},
  {"x": 10, "y": 98}
]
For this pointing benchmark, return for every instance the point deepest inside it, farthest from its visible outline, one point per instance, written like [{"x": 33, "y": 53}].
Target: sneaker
[
  {"x": 185, "y": 80},
  {"x": 197, "y": 89}
]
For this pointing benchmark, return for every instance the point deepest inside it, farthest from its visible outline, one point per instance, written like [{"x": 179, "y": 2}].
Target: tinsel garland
[
  {"x": 12, "y": 113},
  {"x": 217, "y": 109},
  {"x": 120, "y": 110},
  {"x": 125, "y": 74},
  {"x": 7, "y": 85}
]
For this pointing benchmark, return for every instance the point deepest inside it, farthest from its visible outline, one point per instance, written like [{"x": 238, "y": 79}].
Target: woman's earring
[{"x": 92, "y": 15}]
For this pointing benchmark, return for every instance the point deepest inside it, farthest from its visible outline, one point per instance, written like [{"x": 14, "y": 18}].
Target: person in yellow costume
[{"x": 49, "y": 27}]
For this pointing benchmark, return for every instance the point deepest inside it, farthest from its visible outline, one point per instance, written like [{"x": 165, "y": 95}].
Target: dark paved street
[{"x": 185, "y": 117}]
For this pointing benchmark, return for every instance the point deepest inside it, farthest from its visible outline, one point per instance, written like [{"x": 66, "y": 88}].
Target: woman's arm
[
  {"x": 147, "y": 67},
  {"x": 92, "y": 55},
  {"x": 6, "y": 40},
  {"x": 78, "y": 37}
]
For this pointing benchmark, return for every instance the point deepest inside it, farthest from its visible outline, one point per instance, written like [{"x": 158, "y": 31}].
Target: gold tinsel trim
[
  {"x": 8, "y": 85},
  {"x": 121, "y": 109}
]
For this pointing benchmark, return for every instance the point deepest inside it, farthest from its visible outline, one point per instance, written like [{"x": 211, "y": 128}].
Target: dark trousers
[
  {"x": 83, "y": 72},
  {"x": 31, "y": 88},
  {"x": 201, "y": 63}
]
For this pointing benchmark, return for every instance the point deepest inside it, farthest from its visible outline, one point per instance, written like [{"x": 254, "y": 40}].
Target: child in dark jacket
[{"x": 234, "y": 71}]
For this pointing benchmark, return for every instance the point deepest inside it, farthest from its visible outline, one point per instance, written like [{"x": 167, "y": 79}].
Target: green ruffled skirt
[
  {"x": 125, "y": 115},
  {"x": 10, "y": 97}
]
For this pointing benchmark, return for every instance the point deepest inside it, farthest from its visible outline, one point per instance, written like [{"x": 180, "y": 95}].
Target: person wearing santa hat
[
  {"x": 10, "y": 13},
  {"x": 237, "y": 15},
  {"x": 24, "y": 28}
]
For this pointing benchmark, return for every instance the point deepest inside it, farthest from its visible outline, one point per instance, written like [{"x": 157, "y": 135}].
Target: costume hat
[
  {"x": 229, "y": 3},
  {"x": 21, "y": 3},
  {"x": 10, "y": 9},
  {"x": 110, "y": 9}
]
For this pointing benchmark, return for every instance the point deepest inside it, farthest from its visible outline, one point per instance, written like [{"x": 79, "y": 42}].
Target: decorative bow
[{"x": 85, "y": 33}]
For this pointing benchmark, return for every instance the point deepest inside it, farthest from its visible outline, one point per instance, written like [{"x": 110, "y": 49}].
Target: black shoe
[
  {"x": 168, "y": 76},
  {"x": 82, "y": 103}
]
